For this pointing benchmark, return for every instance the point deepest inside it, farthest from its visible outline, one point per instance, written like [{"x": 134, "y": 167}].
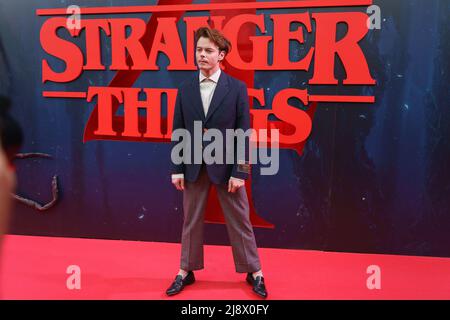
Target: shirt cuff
[
  {"x": 237, "y": 179},
  {"x": 178, "y": 176}
]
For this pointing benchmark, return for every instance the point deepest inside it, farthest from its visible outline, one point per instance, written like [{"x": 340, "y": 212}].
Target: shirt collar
[{"x": 214, "y": 77}]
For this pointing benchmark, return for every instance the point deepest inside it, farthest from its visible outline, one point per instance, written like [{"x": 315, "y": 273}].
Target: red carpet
[{"x": 35, "y": 268}]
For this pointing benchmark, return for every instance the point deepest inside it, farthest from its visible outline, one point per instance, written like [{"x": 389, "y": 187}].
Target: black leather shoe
[
  {"x": 258, "y": 285},
  {"x": 180, "y": 283}
]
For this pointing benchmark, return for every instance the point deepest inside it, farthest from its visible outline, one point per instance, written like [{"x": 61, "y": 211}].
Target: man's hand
[
  {"x": 7, "y": 176},
  {"x": 234, "y": 184},
  {"x": 178, "y": 183},
  {"x": 7, "y": 185}
]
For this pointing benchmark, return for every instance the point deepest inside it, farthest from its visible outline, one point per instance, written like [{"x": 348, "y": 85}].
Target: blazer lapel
[
  {"x": 219, "y": 93},
  {"x": 196, "y": 98}
]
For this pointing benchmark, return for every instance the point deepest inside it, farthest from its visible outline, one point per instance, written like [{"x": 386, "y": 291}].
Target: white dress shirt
[{"x": 207, "y": 87}]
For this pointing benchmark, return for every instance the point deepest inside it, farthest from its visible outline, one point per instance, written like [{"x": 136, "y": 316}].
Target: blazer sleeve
[
  {"x": 241, "y": 167},
  {"x": 178, "y": 123}
]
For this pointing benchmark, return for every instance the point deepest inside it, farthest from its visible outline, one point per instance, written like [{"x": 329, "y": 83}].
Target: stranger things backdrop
[{"x": 363, "y": 115}]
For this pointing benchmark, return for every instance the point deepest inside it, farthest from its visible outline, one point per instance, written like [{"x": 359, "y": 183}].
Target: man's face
[{"x": 207, "y": 54}]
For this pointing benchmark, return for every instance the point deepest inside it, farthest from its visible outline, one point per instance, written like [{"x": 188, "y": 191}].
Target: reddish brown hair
[{"x": 215, "y": 36}]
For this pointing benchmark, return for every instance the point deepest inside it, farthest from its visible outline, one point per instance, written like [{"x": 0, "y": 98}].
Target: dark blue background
[{"x": 373, "y": 177}]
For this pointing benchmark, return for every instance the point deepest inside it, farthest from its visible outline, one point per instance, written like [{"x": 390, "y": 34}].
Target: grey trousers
[{"x": 236, "y": 212}]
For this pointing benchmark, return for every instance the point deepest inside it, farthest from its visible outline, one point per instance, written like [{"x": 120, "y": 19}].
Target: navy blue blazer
[{"x": 229, "y": 109}]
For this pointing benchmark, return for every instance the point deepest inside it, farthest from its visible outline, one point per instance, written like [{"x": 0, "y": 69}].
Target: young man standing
[{"x": 216, "y": 100}]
